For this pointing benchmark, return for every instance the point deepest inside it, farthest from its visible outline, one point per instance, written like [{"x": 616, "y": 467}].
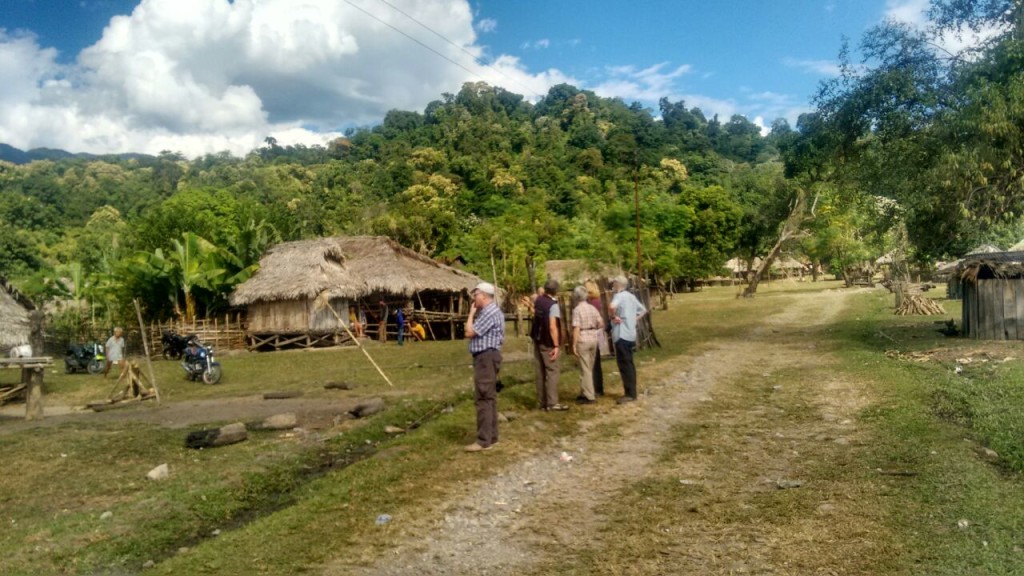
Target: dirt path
[{"x": 543, "y": 510}]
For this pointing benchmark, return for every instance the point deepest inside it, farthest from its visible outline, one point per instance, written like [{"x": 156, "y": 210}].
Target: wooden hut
[
  {"x": 949, "y": 272},
  {"x": 15, "y": 318},
  {"x": 303, "y": 291},
  {"x": 571, "y": 273},
  {"x": 992, "y": 288}
]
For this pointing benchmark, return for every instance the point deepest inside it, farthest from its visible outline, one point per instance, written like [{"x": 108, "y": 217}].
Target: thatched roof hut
[
  {"x": 301, "y": 285},
  {"x": 570, "y": 273},
  {"x": 15, "y": 317},
  {"x": 992, "y": 288}
]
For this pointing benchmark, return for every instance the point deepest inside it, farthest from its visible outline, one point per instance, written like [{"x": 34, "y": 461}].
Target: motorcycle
[
  {"x": 85, "y": 357},
  {"x": 199, "y": 363},
  {"x": 174, "y": 344}
]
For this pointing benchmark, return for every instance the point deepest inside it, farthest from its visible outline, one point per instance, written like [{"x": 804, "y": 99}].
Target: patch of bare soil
[
  {"x": 541, "y": 511},
  {"x": 312, "y": 413}
]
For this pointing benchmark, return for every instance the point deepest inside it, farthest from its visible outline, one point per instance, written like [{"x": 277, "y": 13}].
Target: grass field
[{"x": 921, "y": 493}]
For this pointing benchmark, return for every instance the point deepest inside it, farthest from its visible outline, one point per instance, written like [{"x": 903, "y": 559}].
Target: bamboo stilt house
[
  {"x": 992, "y": 288},
  {"x": 304, "y": 291}
]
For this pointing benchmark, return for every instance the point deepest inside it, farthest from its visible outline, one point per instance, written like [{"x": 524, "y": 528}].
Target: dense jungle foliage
[{"x": 916, "y": 150}]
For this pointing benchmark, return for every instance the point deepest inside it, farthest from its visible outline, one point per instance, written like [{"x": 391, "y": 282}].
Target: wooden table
[{"x": 32, "y": 370}]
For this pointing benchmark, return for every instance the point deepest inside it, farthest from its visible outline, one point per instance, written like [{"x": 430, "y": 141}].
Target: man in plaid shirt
[{"x": 485, "y": 328}]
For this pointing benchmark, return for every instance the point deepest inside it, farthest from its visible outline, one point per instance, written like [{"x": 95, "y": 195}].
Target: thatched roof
[
  {"x": 995, "y": 264},
  {"x": 579, "y": 271},
  {"x": 14, "y": 316},
  {"x": 346, "y": 267}
]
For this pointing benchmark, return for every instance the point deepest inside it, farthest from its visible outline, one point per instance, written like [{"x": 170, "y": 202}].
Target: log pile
[{"x": 916, "y": 304}]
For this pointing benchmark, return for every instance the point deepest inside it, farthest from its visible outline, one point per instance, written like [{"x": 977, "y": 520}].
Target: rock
[
  {"x": 502, "y": 418},
  {"x": 340, "y": 386},
  {"x": 989, "y": 454},
  {"x": 383, "y": 519},
  {"x": 148, "y": 564},
  {"x": 285, "y": 421},
  {"x": 213, "y": 437},
  {"x": 509, "y": 416},
  {"x": 106, "y": 515},
  {"x": 393, "y": 430},
  {"x": 963, "y": 524},
  {"x": 368, "y": 408},
  {"x": 785, "y": 484},
  {"x": 161, "y": 472}
]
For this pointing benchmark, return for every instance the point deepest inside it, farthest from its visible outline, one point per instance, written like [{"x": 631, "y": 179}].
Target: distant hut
[
  {"x": 571, "y": 273},
  {"x": 15, "y": 317},
  {"x": 992, "y": 287},
  {"x": 302, "y": 292}
]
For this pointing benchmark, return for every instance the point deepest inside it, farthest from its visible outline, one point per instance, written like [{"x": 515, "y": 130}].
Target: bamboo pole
[
  {"x": 359, "y": 344},
  {"x": 429, "y": 327},
  {"x": 145, "y": 349}
]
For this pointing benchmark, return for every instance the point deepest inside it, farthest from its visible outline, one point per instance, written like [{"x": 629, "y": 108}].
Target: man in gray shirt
[{"x": 623, "y": 312}]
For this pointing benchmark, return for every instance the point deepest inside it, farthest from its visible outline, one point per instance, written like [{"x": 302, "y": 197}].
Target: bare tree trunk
[{"x": 791, "y": 229}]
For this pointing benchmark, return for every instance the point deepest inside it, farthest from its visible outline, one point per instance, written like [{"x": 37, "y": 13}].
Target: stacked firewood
[{"x": 919, "y": 305}]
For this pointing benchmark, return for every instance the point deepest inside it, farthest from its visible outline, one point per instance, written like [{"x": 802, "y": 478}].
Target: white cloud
[
  {"x": 647, "y": 84},
  {"x": 198, "y": 76},
  {"x": 536, "y": 44},
  {"x": 914, "y": 13},
  {"x": 485, "y": 25},
  {"x": 819, "y": 67}
]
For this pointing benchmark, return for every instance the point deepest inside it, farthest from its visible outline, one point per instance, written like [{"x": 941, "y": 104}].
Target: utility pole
[{"x": 636, "y": 208}]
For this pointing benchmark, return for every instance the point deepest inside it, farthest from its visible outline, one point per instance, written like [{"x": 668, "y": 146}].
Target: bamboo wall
[
  {"x": 993, "y": 309},
  {"x": 223, "y": 333}
]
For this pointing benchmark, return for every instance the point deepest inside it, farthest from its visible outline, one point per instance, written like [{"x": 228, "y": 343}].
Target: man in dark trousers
[
  {"x": 546, "y": 335},
  {"x": 485, "y": 329},
  {"x": 624, "y": 312}
]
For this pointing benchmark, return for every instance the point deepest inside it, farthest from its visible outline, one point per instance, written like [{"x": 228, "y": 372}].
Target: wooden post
[
  {"x": 33, "y": 380},
  {"x": 145, "y": 348},
  {"x": 451, "y": 317}
]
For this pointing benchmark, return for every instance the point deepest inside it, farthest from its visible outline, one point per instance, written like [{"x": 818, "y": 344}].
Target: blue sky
[{"x": 200, "y": 76}]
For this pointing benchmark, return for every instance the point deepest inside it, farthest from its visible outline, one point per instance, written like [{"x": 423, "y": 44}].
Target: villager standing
[
  {"x": 400, "y": 321},
  {"x": 382, "y": 328},
  {"x": 114, "y": 350},
  {"x": 624, "y": 311},
  {"x": 485, "y": 328},
  {"x": 594, "y": 299},
  {"x": 546, "y": 334},
  {"x": 587, "y": 328}
]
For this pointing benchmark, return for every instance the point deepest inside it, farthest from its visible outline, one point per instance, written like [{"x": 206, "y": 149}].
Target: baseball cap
[{"x": 485, "y": 287}]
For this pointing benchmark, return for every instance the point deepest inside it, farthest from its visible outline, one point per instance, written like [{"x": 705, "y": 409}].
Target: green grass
[
  {"x": 960, "y": 514},
  {"x": 286, "y": 505}
]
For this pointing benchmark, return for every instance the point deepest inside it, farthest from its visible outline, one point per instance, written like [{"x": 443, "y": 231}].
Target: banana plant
[{"x": 199, "y": 264}]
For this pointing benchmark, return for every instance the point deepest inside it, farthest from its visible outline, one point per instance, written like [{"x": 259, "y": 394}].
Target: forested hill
[
  {"x": 13, "y": 155},
  {"x": 482, "y": 176}
]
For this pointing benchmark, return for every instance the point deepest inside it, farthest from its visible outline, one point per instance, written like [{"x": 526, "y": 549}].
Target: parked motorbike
[
  {"x": 199, "y": 363},
  {"x": 85, "y": 357},
  {"x": 174, "y": 344}
]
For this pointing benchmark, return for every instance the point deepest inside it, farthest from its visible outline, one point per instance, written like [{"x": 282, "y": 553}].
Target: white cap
[{"x": 485, "y": 287}]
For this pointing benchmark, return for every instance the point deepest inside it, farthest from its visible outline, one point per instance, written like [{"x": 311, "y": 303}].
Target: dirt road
[{"x": 723, "y": 439}]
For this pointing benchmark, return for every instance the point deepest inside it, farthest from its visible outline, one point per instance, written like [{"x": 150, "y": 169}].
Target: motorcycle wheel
[
  {"x": 95, "y": 367},
  {"x": 68, "y": 368},
  {"x": 212, "y": 375}
]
